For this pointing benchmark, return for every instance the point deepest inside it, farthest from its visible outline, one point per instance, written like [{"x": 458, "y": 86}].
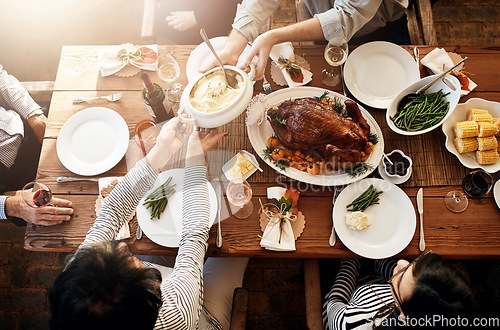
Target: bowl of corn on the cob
[{"x": 473, "y": 134}]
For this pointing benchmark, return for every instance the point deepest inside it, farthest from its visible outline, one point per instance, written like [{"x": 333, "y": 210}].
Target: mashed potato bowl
[{"x": 211, "y": 103}]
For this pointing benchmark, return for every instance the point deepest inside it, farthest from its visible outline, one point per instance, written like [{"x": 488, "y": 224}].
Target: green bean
[
  {"x": 157, "y": 201},
  {"x": 421, "y": 112},
  {"x": 366, "y": 199}
]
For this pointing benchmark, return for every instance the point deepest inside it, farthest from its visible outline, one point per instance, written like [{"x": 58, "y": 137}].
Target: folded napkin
[
  {"x": 285, "y": 50},
  {"x": 113, "y": 60},
  {"x": 438, "y": 61},
  {"x": 278, "y": 235},
  {"x": 105, "y": 182},
  {"x": 256, "y": 110}
]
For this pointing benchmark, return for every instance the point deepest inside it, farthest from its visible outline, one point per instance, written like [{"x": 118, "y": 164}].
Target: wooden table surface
[{"x": 471, "y": 234}]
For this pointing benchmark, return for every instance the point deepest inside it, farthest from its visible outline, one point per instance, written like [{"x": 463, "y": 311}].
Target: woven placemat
[{"x": 433, "y": 164}]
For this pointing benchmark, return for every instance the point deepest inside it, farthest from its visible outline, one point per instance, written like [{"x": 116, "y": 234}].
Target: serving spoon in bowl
[
  {"x": 408, "y": 97},
  {"x": 230, "y": 79}
]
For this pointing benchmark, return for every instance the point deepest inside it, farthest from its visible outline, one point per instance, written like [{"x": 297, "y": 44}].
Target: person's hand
[
  {"x": 38, "y": 124},
  {"x": 181, "y": 20},
  {"x": 169, "y": 141},
  {"x": 200, "y": 142},
  {"x": 261, "y": 48},
  {"x": 61, "y": 211},
  {"x": 234, "y": 46}
]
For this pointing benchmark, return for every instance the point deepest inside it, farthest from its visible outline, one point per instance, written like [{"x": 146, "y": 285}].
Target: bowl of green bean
[{"x": 426, "y": 111}]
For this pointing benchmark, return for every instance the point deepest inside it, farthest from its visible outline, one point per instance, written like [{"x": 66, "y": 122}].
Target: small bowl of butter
[{"x": 242, "y": 165}]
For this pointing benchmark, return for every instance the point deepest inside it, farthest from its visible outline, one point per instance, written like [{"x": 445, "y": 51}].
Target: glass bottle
[{"x": 154, "y": 97}]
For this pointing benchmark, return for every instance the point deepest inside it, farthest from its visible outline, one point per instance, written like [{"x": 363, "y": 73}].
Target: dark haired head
[
  {"x": 101, "y": 288},
  {"x": 440, "y": 289}
]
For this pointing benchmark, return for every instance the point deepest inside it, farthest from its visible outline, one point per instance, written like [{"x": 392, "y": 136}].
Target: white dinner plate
[
  {"x": 166, "y": 231},
  {"x": 202, "y": 55},
  {"x": 92, "y": 141},
  {"x": 468, "y": 159},
  {"x": 377, "y": 71},
  {"x": 393, "y": 221},
  {"x": 496, "y": 193},
  {"x": 259, "y": 134}
]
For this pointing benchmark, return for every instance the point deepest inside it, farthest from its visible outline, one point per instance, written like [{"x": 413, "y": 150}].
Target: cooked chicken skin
[{"x": 310, "y": 124}]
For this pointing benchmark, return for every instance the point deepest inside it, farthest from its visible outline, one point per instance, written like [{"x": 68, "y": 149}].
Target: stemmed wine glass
[
  {"x": 475, "y": 185},
  {"x": 335, "y": 54},
  {"x": 169, "y": 71},
  {"x": 456, "y": 201},
  {"x": 36, "y": 194},
  {"x": 239, "y": 194}
]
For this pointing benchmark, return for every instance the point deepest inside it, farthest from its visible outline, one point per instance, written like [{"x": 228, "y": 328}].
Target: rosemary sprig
[
  {"x": 373, "y": 138},
  {"x": 359, "y": 169}
]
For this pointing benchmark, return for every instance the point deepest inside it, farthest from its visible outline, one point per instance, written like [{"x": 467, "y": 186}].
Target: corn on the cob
[
  {"x": 487, "y": 157},
  {"x": 465, "y": 145},
  {"x": 487, "y": 129},
  {"x": 473, "y": 111},
  {"x": 466, "y": 129},
  {"x": 486, "y": 117},
  {"x": 487, "y": 143},
  {"x": 496, "y": 121}
]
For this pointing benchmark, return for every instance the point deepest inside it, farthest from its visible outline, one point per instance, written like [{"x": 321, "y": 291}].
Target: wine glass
[
  {"x": 239, "y": 194},
  {"x": 169, "y": 71},
  {"x": 477, "y": 183},
  {"x": 456, "y": 201},
  {"x": 335, "y": 55},
  {"x": 36, "y": 194}
]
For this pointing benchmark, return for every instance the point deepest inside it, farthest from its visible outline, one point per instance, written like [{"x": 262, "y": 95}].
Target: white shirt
[
  {"x": 338, "y": 18},
  {"x": 15, "y": 103}
]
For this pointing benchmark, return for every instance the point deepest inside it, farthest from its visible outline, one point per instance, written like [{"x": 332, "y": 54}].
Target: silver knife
[
  {"x": 420, "y": 206},
  {"x": 218, "y": 238}
]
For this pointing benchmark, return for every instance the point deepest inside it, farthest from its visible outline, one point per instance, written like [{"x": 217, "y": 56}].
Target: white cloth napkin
[
  {"x": 109, "y": 63},
  {"x": 271, "y": 239},
  {"x": 285, "y": 50},
  {"x": 439, "y": 61},
  {"x": 124, "y": 231}
]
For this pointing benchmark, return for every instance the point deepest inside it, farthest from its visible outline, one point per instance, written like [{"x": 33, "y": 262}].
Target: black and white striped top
[
  {"x": 182, "y": 291},
  {"x": 346, "y": 307},
  {"x": 15, "y": 103}
]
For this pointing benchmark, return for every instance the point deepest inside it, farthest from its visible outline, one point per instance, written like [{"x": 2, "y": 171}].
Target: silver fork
[
  {"x": 333, "y": 235},
  {"x": 266, "y": 85},
  {"x": 111, "y": 98}
]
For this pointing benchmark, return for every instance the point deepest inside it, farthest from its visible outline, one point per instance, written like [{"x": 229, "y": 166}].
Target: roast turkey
[{"x": 306, "y": 123}]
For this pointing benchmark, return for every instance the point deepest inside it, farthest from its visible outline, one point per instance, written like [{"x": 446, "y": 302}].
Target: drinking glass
[
  {"x": 456, "y": 201},
  {"x": 36, "y": 194},
  {"x": 477, "y": 183},
  {"x": 239, "y": 194},
  {"x": 335, "y": 55},
  {"x": 169, "y": 71}
]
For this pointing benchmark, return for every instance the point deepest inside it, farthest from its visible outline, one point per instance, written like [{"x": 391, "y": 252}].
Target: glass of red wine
[
  {"x": 477, "y": 183},
  {"x": 36, "y": 194}
]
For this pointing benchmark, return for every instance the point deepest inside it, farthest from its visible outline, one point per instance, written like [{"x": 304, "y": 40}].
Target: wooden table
[{"x": 472, "y": 234}]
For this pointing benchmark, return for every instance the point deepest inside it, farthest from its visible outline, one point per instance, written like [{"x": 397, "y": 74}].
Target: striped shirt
[
  {"x": 346, "y": 307},
  {"x": 15, "y": 103},
  {"x": 338, "y": 18},
  {"x": 182, "y": 291}
]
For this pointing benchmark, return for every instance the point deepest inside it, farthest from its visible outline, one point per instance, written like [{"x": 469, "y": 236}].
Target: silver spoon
[
  {"x": 70, "y": 179},
  {"x": 407, "y": 98},
  {"x": 416, "y": 54},
  {"x": 230, "y": 79}
]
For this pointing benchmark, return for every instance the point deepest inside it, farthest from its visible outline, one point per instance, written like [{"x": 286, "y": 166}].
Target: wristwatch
[{"x": 35, "y": 112}]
